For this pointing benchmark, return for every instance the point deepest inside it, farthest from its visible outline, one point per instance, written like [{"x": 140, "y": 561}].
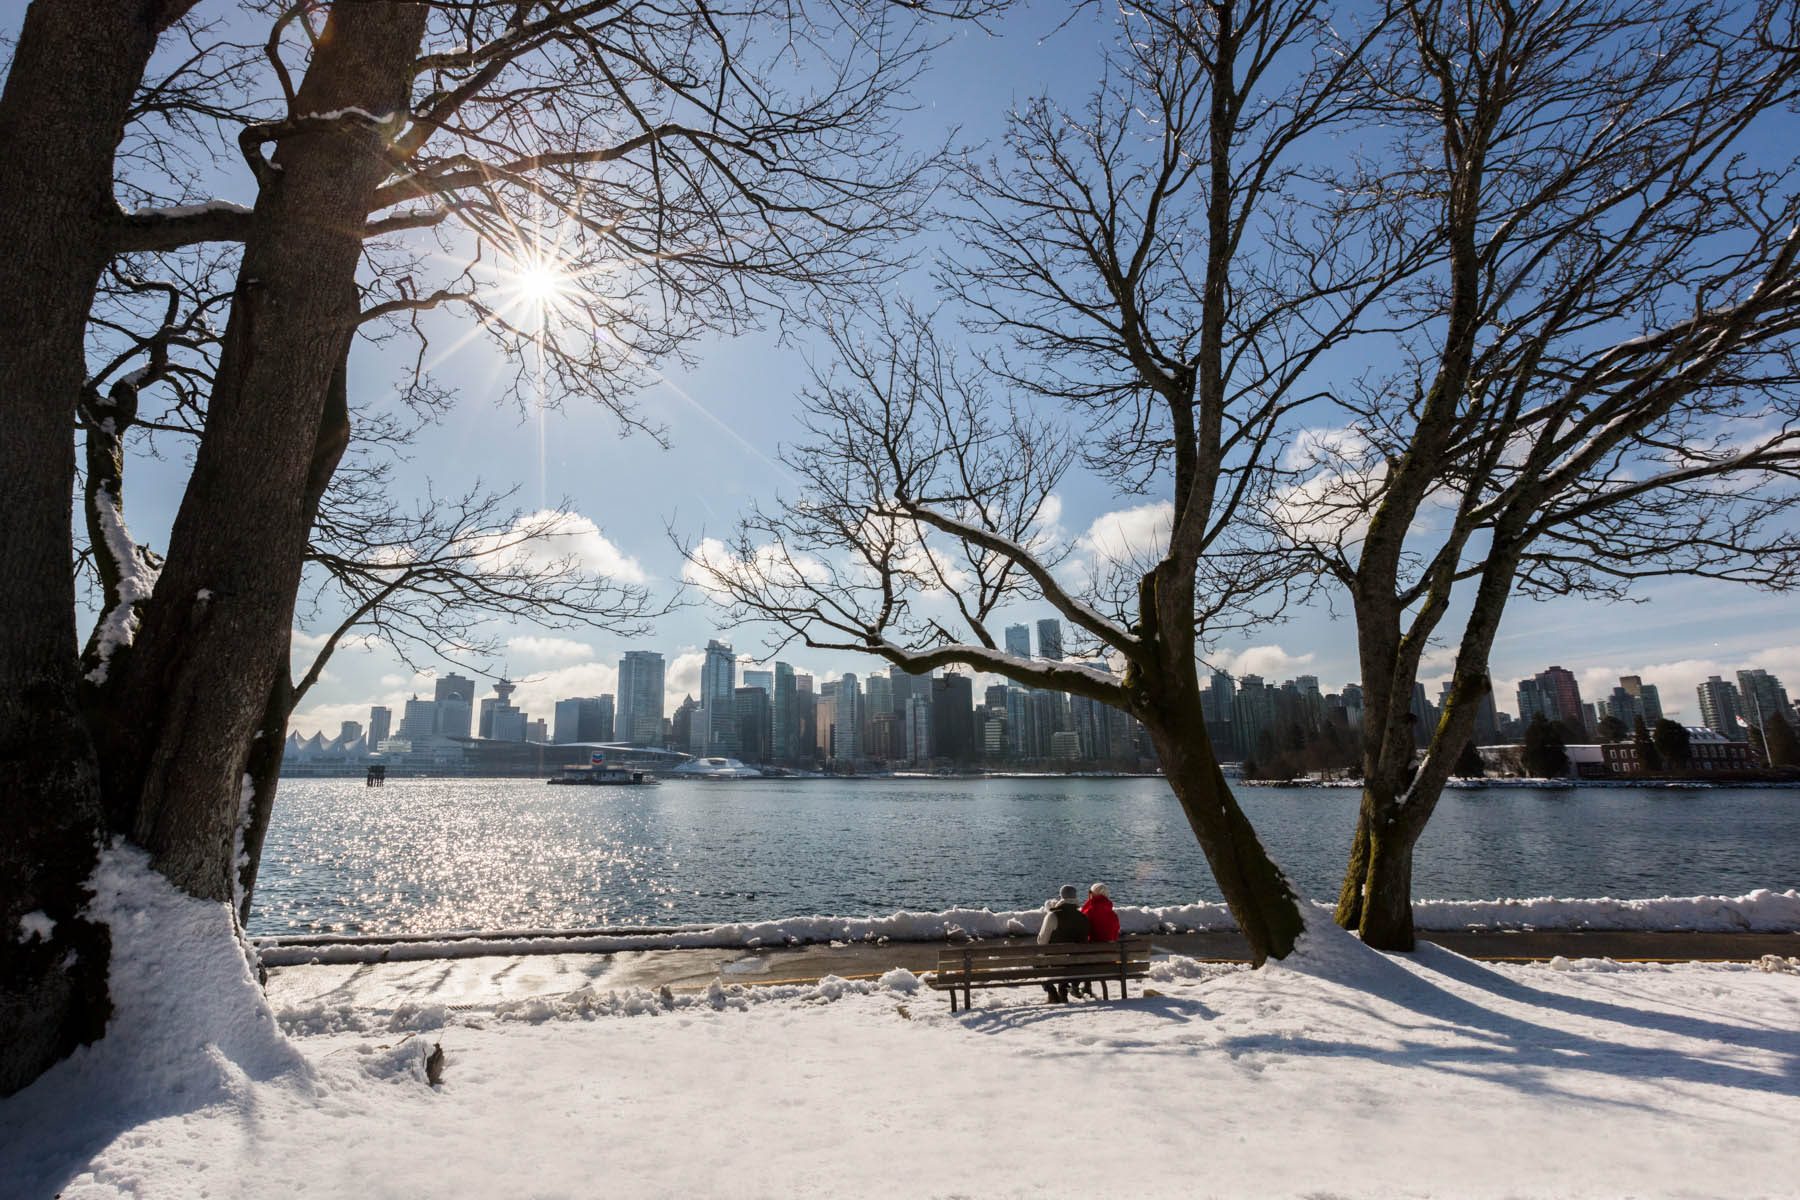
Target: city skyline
[{"x": 571, "y": 667}]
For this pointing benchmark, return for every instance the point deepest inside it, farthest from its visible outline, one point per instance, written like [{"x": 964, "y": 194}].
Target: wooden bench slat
[
  {"x": 978, "y": 951},
  {"x": 1023, "y": 975}
]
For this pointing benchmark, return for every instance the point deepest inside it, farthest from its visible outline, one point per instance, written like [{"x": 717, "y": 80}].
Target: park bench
[{"x": 999, "y": 964}]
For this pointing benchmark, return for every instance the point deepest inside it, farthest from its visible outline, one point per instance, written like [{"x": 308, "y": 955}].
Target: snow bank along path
[
  {"x": 1761, "y": 911},
  {"x": 1343, "y": 1073}
]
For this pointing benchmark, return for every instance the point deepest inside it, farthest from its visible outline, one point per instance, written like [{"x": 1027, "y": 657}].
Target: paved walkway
[{"x": 483, "y": 981}]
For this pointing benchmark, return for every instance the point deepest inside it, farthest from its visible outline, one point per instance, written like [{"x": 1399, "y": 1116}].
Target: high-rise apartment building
[
  {"x": 640, "y": 705},
  {"x": 381, "y": 723},
  {"x": 1762, "y": 696},
  {"x": 1649, "y": 702},
  {"x": 1721, "y": 707}
]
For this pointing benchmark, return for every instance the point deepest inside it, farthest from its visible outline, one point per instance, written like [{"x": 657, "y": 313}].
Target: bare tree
[
  {"x": 1149, "y": 268},
  {"x": 658, "y": 169},
  {"x": 1593, "y": 386}
]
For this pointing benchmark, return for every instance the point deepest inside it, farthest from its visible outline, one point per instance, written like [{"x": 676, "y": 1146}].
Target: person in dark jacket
[{"x": 1063, "y": 922}]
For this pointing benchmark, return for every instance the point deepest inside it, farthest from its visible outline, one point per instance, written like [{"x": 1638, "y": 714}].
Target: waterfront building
[
  {"x": 640, "y": 705},
  {"x": 1050, "y": 643},
  {"x": 455, "y": 699},
  {"x": 1721, "y": 708},
  {"x": 418, "y": 719},
  {"x": 584, "y": 719},
  {"x": 1065, "y": 746},
  {"x": 501, "y": 719},
  {"x": 536, "y": 730},
  {"x": 381, "y": 723},
  {"x": 1018, "y": 641}
]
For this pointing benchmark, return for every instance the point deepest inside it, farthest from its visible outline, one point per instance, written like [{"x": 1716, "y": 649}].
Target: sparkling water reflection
[{"x": 422, "y": 855}]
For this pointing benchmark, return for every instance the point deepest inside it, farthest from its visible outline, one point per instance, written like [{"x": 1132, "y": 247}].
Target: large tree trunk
[
  {"x": 1260, "y": 897},
  {"x": 199, "y": 679},
  {"x": 74, "y": 71},
  {"x": 269, "y": 744},
  {"x": 1376, "y": 899}
]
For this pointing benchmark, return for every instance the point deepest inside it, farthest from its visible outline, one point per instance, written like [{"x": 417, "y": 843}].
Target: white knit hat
[{"x": 1099, "y": 889}]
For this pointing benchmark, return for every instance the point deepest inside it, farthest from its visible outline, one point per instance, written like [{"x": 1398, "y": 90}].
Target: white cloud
[
  {"x": 567, "y": 536},
  {"x": 1127, "y": 537},
  {"x": 681, "y": 678},
  {"x": 1677, "y": 680},
  {"x": 538, "y": 694},
  {"x": 1273, "y": 663},
  {"x": 529, "y": 648}
]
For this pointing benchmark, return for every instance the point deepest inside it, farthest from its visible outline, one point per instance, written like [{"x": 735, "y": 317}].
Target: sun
[{"x": 541, "y": 284}]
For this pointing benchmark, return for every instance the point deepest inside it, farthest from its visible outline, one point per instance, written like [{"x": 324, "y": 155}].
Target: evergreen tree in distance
[
  {"x": 1649, "y": 758},
  {"x": 1671, "y": 739},
  {"x": 1544, "y": 755},
  {"x": 1469, "y": 764},
  {"x": 1781, "y": 747},
  {"x": 1611, "y": 729}
]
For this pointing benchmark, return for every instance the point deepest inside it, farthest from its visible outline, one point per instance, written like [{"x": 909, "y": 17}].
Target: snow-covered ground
[{"x": 1345, "y": 1073}]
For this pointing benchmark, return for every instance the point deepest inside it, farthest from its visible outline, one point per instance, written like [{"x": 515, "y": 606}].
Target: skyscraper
[
  {"x": 1762, "y": 695},
  {"x": 753, "y": 724},
  {"x": 381, "y": 721},
  {"x": 584, "y": 719},
  {"x": 1018, "y": 640},
  {"x": 455, "y": 700},
  {"x": 1559, "y": 685},
  {"x": 953, "y": 718},
  {"x": 1720, "y": 708},
  {"x": 784, "y": 724},
  {"x": 1050, "y": 638},
  {"x": 419, "y": 720},
  {"x": 640, "y": 708},
  {"x": 1649, "y": 703},
  {"x": 716, "y": 724},
  {"x": 762, "y": 679}
]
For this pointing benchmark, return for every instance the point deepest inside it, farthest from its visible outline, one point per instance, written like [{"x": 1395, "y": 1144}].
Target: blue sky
[{"x": 729, "y": 414}]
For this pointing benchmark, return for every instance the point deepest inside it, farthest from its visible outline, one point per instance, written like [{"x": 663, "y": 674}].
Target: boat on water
[{"x": 597, "y": 773}]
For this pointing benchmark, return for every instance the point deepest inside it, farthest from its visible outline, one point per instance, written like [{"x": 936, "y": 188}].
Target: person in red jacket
[{"x": 1103, "y": 923}]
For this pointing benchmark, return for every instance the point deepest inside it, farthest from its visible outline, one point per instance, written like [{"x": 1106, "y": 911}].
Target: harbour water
[{"x": 423, "y": 855}]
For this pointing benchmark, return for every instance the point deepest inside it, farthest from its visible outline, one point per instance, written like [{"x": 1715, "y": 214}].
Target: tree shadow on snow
[{"x": 1511, "y": 1049}]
